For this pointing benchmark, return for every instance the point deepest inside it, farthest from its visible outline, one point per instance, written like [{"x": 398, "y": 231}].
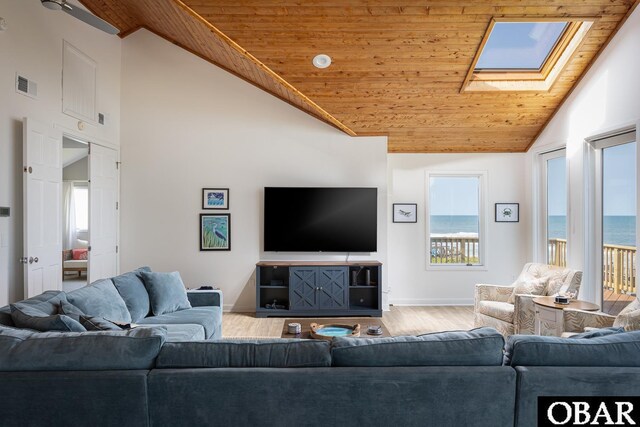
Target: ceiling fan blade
[{"x": 90, "y": 19}]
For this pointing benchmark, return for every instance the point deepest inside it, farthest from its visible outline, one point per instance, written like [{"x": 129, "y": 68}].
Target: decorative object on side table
[
  {"x": 215, "y": 198},
  {"x": 215, "y": 232},
  {"x": 507, "y": 212},
  {"x": 405, "y": 212},
  {"x": 327, "y": 332}
]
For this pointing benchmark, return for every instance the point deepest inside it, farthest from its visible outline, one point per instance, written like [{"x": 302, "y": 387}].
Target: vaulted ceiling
[{"x": 398, "y": 65}]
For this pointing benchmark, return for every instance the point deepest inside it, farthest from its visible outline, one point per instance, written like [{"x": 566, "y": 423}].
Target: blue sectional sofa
[
  {"x": 126, "y": 299},
  {"x": 138, "y": 377}
]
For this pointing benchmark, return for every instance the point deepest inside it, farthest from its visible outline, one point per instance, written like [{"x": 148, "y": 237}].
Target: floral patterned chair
[
  {"x": 510, "y": 309},
  {"x": 576, "y": 321}
]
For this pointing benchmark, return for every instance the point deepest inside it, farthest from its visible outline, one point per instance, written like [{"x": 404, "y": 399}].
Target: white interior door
[
  {"x": 42, "y": 166},
  {"x": 103, "y": 214}
]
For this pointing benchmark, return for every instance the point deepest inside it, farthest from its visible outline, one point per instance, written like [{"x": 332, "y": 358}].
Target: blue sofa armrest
[{"x": 206, "y": 298}]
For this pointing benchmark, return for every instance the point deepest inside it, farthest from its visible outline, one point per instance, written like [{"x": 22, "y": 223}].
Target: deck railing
[
  {"x": 455, "y": 250},
  {"x": 618, "y": 265}
]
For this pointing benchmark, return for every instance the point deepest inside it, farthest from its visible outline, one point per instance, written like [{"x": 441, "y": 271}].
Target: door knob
[
  {"x": 23, "y": 260},
  {"x": 30, "y": 260},
  {"x": 35, "y": 260}
]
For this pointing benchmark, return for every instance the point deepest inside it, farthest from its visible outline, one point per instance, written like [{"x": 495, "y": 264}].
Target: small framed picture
[
  {"x": 507, "y": 212},
  {"x": 215, "y": 198},
  {"x": 405, "y": 212},
  {"x": 215, "y": 232}
]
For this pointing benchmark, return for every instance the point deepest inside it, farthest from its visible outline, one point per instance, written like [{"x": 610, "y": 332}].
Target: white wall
[
  {"x": 506, "y": 243},
  {"x": 187, "y": 125},
  {"x": 608, "y": 98},
  {"x": 32, "y": 45},
  {"x": 77, "y": 171}
]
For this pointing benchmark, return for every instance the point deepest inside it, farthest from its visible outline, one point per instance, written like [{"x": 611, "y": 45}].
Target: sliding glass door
[{"x": 617, "y": 218}]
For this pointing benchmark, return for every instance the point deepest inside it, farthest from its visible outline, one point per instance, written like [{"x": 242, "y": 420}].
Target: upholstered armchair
[
  {"x": 576, "y": 321},
  {"x": 510, "y": 312}
]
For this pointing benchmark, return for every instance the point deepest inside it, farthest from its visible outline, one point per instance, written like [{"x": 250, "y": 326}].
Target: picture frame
[
  {"x": 215, "y": 198},
  {"x": 507, "y": 212},
  {"x": 215, "y": 232},
  {"x": 405, "y": 212}
]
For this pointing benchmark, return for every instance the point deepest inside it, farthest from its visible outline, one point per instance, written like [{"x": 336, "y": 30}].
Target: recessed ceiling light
[{"x": 321, "y": 61}]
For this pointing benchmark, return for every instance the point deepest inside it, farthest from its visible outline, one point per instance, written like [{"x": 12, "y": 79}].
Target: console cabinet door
[
  {"x": 334, "y": 285},
  {"x": 303, "y": 288}
]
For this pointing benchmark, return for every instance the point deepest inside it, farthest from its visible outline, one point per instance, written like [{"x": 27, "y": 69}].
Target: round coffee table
[{"x": 550, "y": 312}]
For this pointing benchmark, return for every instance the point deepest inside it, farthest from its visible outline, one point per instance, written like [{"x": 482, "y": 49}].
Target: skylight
[
  {"x": 524, "y": 53},
  {"x": 520, "y": 45}
]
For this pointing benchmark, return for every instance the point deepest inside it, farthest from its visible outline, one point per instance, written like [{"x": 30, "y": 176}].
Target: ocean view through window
[{"x": 454, "y": 220}]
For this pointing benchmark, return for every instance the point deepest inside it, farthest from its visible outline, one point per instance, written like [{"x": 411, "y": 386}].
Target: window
[
  {"x": 455, "y": 213},
  {"x": 519, "y": 54},
  {"x": 81, "y": 207},
  {"x": 520, "y": 45},
  {"x": 554, "y": 204}
]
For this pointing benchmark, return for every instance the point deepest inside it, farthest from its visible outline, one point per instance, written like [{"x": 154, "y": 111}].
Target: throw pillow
[
  {"x": 529, "y": 286},
  {"x": 31, "y": 318},
  {"x": 98, "y": 324},
  {"x": 135, "y": 295},
  {"x": 70, "y": 310},
  {"x": 79, "y": 254},
  {"x": 597, "y": 333},
  {"x": 101, "y": 299},
  {"x": 166, "y": 292}
]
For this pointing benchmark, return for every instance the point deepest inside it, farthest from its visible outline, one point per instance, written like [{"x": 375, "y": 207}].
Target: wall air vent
[{"x": 26, "y": 87}]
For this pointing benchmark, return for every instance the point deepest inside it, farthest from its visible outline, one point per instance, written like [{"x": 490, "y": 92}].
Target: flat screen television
[{"x": 335, "y": 219}]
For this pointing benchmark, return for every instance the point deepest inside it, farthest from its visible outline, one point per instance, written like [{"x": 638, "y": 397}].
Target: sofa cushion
[
  {"x": 101, "y": 299},
  {"x": 477, "y": 347},
  {"x": 182, "y": 332},
  {"x": 614, "y": 350},
  {"x": 32, "y": 318},
  {"x": 131, "y": 288},
  {"x": 22, "y": 350},
  {"x": 208, "y": 317},
  {"x": 98, "y": 324},
  {"x": 528, "y": 285},
  {"x": 497, "y": 310},
  {"x": 274, "y": 353},
  {"x": 167, "y": 293}
]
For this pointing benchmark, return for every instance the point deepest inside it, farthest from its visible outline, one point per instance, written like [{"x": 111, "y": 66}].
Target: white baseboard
[
  {"x": 431, "y": 302},
  {"x": 231, "y": 308}
]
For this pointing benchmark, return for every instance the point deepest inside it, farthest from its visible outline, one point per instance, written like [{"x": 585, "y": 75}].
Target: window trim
[
  {"x": 527, "y": 79},
  {"x": 482, "y": 226}
]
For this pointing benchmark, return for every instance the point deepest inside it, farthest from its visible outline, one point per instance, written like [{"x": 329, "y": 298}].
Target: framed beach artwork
[
  {"x": 405, "y": 212},
  {"x": 507, "y": 212},
  {"x": 215, "y": 232},
  {"x": 215, "y": 198}
]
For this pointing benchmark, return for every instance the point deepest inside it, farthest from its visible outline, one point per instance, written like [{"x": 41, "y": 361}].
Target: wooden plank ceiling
[{"x": 398, "y": 65}]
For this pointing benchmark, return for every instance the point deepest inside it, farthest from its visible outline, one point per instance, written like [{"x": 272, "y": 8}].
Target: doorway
[{"x": 75, "y": 213}]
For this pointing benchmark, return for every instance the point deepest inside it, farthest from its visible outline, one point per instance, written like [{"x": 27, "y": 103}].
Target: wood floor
[
  {"x": 399, "y": 321},
  {"x": 614, "y": 302}
]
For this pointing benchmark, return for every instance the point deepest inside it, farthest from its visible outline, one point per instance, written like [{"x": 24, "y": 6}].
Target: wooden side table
[{"x": 549, "y": 312}]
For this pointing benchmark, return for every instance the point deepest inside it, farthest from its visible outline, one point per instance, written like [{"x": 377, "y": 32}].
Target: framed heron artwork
[
  {"x": 215, "y": 232},
  {"x": 215, "y": 198},
  {"x": 405, "y": 212}
]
